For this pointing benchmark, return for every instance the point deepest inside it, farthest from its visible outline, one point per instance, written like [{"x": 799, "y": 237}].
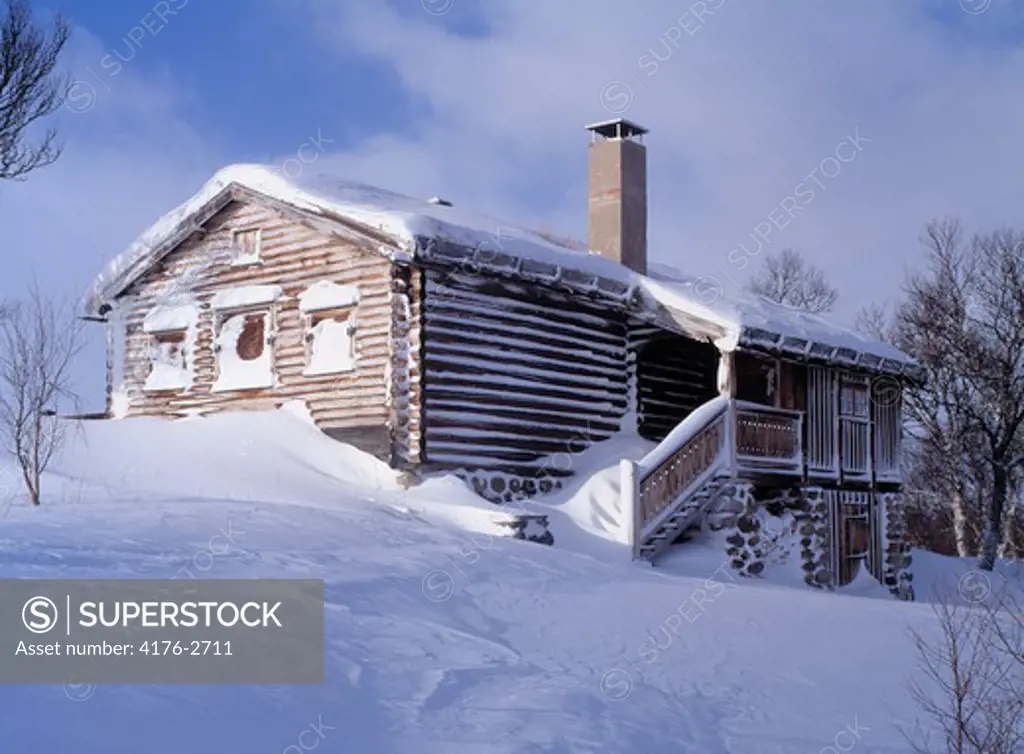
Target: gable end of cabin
[{"x": 261, "y": 305}]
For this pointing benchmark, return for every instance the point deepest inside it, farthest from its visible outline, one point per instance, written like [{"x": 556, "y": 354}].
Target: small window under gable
[
  {"x": 248, "y": 245},
  {"x": 329, "y": 313}
]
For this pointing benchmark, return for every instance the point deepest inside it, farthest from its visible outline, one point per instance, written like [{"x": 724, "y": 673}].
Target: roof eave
[
  {"x": 194, "y": 221},
  {"x": 189, "y": 224},
  {"x": 757, "y": 339}
]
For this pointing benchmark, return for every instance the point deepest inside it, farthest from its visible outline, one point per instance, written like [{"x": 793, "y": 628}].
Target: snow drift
[{"x": 440, "y": 637}]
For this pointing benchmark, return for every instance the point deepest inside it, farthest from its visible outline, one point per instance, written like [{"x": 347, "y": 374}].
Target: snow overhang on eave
[
  {"x": 113, "y": 282},
  {"x": 440, "y": 252},
  {"x": 757, "y": 339}
]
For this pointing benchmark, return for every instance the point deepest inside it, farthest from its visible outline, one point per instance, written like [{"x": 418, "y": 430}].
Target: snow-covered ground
[{"x": 440, "y": 636}]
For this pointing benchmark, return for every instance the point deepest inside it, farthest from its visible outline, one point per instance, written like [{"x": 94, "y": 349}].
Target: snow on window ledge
[
  {"x": 246, "y": 295},
  {"x": 325, "y": 294},
  {"x": 246, "y": 261},
  {"x": 168, "y": 318},
  {"x": 170, "y": 361}
]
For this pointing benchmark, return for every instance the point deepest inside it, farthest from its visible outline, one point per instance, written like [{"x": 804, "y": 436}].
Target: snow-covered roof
[
  {"x": 752, "y": 321},
  {"x": 434, "y": 232},
  {"x": 404, "y": 220}
]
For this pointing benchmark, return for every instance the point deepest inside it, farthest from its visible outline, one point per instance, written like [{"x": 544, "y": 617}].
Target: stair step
[{"x": 679, "y": 520}]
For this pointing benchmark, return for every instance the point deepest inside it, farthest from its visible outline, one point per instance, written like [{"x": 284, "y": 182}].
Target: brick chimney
[{"x": 618, "y": 193}]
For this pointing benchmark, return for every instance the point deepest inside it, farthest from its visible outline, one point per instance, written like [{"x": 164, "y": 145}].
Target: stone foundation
[
  {"x": 816, "y": 539},
  {"x": 532, "y": 528},
  {"x": 768, "y": 527},
  {"x": 745, "y": 541},
  {"x": 761, "y": 525},
  {"x": 500, "y": 487},
  {"x": 896, "y": 558}
]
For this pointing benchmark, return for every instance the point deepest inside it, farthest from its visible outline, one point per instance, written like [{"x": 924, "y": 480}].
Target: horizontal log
[
  {"x": 530, "y": 304},
  {"x": 439, "y": 373},
  {"x": 542, "y": 400},
  {"x": 528, "y": 412},
  {"x": 542, "y": 344},
  {"x": 523, "y": 364},
  {"x": 500, "y": 313}
]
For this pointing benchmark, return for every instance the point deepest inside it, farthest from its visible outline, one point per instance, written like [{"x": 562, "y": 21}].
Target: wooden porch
[
  {"x": 774, "y": 423},
  {"x": 789, "y": 420}
]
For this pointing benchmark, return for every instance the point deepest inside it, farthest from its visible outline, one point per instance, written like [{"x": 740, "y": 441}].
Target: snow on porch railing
[{"x": 682, "y": 462}]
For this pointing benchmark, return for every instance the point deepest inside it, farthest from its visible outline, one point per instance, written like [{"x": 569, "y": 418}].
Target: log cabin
[{"x": 444, "y": 341}]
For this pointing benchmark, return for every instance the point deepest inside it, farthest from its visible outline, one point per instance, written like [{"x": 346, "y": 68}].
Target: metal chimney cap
[{"x": 617, "y": 128}]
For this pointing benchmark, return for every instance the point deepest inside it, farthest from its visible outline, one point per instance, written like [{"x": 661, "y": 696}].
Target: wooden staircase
[
  {"x": 685, "y": 516},
  {"x": 673, "y": 486}
]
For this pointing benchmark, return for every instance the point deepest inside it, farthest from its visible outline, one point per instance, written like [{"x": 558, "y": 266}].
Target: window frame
[
  {"x": 312, "y": 318},
  {"x": 220, "y": 318},
  {"x": 247, "y": 260},
  {"x": 156, "y": 339}
]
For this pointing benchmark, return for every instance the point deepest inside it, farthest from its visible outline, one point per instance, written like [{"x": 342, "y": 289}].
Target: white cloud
[{"x": 742, "y": 105}]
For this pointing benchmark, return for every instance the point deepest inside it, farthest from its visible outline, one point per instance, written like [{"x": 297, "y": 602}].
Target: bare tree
[
  {"x": 963, "y": 320},
  {"x": 875, "y": 321},
  {"x": 971, "y": 684},
  {"x": 38, "y": 340},
  {"x": 787, "y": 278},
  {"x": 30, "y": 90}
]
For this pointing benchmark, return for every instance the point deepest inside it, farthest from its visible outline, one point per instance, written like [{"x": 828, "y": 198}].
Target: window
[
  {"x": 329, "y": 312},
  {"x": 793, "y": 387},
  {"x": 168, "y": 370},
  {"x": 248, "y": 245},
  {"x": 330, "y": 342},
  {"x": 854, "y": 420},
  {"x": 244, "y": 345},
  {"x": 853, "y": 397},
  {"x": 171, "y": 331}
]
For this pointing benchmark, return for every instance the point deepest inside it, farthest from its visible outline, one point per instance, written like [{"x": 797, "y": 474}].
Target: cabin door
[{"x": 856, "y": 535}]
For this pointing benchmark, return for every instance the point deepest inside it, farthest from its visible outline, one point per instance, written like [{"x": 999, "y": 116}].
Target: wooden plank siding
[
  {"x": 514, "y": 374},
  {"x": 293, "y": 255}
]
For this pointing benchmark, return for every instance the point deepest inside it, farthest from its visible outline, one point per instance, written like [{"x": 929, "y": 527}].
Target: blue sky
[{"x": 484, "y": 103}]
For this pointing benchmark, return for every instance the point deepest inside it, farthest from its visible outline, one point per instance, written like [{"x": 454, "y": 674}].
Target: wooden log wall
[
  {"x": 674, "y": 375},
  {"x": 404, "y": 368},
  {"x": 515, "y": 374},
  {"x": 350, "y": 405}
]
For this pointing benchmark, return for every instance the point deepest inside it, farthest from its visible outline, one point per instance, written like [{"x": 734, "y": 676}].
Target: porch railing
[
  {"x": 720, "y": 438},
  {"x": 768, "y": 437},
  {"x": 690, "y": 454}
]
